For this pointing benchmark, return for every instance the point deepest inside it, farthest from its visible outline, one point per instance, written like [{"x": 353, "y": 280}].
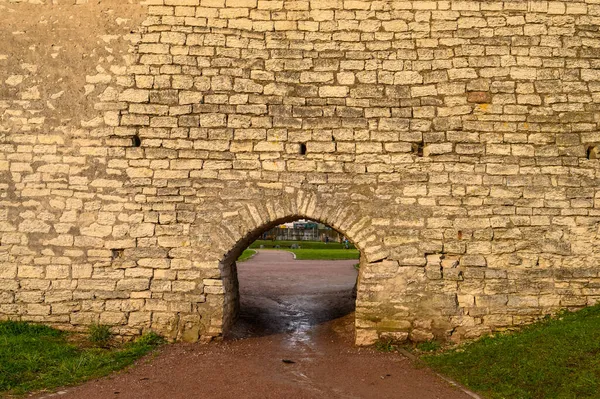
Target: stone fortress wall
[{"x": 143, "y": 146}]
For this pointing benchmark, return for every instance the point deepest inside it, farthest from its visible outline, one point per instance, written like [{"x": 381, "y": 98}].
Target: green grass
[
  {"x": 429, "y": 346},
  {"x": 555, "y": 358},
  {"x": 386, "y": 346},
  {"x": 100, "y": 335},
  {"x": 247, "y": 254},
  {"x": 36, "y": 358},
  {"x": 303, "y": 244},
  {"x": 325, "y": 254},
  {"x": 309, "y": 250}
]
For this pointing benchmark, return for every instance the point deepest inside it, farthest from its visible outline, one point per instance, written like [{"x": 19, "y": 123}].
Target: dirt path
[{"x": 292, "y": 311}]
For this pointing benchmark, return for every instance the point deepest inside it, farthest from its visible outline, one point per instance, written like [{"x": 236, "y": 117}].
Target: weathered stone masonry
[{"x": 454, "y": 142}]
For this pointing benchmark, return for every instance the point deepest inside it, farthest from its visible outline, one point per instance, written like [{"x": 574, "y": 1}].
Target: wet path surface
[
  {"x": 297, "y": 324},
  {"x": 279, "y": 294}
]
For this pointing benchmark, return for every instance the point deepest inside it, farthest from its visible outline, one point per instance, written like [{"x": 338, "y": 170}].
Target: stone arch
[
  {"x": 252, "y": 220},
  {"x": 238, "y": 222}
]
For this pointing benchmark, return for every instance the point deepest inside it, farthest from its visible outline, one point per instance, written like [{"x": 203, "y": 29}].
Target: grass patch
[
  {"x": 309, "y": 250},
  {"x": 247, "y": 254},
  {"x": 35, "y": 358},
  {"x": 325, "y": 254},
  {"x": 268, "y": 244},
  {"x": 100, "y": 335},
  {"x": 386, "y": 346},
  {"x": 555, "y": 358},
  {"x": 428, "y": 346}
]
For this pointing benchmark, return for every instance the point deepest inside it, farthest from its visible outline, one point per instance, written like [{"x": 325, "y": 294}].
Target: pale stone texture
[{"x": 454, "y": 142}]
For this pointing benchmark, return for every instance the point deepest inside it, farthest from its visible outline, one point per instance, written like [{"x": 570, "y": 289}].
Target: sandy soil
[{"x": 293, "y": 340}]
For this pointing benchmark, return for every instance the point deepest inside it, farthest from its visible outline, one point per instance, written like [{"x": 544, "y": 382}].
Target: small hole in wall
[
  {"x": 592, "y": 152},
  {"x": 302, "y": 149},
  {"x": 117, "y": 253},
  {"x": 460, "y": 235},
  {"x": 333, "y": 138},
  {"x": 136, "y": 141},
  {"x": 417, "y": 149}
]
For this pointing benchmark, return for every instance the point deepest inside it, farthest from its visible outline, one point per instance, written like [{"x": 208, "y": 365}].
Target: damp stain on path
[
  {"x": 293, "y": 340},
  {"x": 279, "y": 294}
]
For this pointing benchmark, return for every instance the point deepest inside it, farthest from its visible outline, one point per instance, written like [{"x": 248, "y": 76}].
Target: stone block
[{"x": 473, "y": 260}]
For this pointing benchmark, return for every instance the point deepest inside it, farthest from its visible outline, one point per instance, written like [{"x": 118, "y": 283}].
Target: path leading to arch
[{"x": 297, "y": 324}]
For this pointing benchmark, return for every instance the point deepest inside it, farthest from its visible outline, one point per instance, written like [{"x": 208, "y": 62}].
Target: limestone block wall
[{"x": 454, "y": 142}]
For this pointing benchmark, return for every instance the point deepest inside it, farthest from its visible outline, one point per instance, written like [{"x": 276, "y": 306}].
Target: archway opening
[{"x": 290, "y": 276}]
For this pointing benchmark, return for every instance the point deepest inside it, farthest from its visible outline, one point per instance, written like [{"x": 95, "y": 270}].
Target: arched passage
[{"x": 229, "y": 272}]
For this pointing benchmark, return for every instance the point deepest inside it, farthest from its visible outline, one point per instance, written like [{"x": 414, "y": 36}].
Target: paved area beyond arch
[
  {"x": 280, "y": 294},
  {"x": 289, "y": 351}
]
